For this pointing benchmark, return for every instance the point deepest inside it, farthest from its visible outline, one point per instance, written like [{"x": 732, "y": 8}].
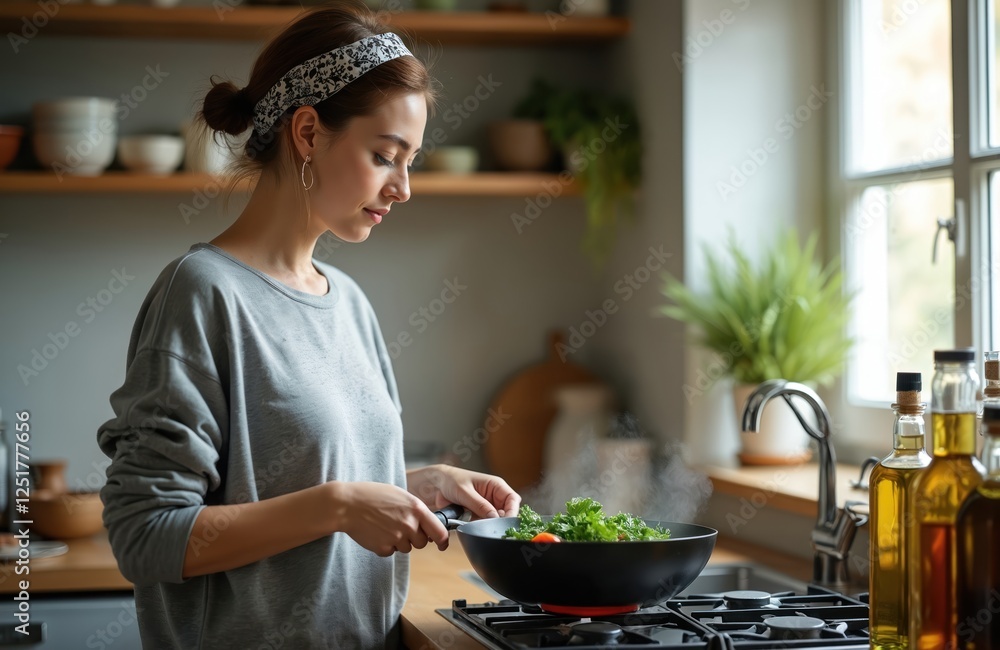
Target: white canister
[
  {"x": 623, "y": 476},
  {"x": 584, "y": 417}
]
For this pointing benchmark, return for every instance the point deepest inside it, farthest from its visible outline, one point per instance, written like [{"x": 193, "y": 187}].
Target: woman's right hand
[{"x": 385, "y": 519}]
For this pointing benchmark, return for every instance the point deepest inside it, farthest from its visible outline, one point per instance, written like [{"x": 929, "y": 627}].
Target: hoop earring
[{"x": 302, "y": 174}]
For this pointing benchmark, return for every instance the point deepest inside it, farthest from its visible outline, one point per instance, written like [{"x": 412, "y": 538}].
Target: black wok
[{"x": 611, "y": 577}]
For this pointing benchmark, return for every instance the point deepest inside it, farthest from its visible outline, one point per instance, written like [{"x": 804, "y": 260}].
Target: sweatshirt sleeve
[{"x": 164, "y": 443}]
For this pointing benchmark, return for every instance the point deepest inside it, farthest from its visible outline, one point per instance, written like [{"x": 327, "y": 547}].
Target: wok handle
[{"x": 450, "y": 516}]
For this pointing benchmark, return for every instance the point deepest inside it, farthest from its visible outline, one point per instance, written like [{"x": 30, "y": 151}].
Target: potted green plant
[
  {"x": 599, "y": 137},
  {"x": 785, "y": 318}
]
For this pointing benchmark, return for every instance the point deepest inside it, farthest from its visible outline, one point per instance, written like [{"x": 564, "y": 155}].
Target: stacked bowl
[
  {"x": 151, "y": 154},
  {"x": 75, "y": 135}
]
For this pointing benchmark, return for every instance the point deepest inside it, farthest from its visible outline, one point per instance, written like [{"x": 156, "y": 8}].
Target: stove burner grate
[{"x": 731, "y": 621}]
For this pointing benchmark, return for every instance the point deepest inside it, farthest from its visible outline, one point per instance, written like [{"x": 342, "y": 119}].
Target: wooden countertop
[
  {"x": 435, "y": 580},
  {"x": 793, "y": 488},
  {"x": 88, "y": 565}
]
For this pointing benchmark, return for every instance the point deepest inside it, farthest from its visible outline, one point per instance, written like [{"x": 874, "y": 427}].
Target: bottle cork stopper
[
  {"x": 993, "y": 370},
  {"x": 908, "y": 402}
]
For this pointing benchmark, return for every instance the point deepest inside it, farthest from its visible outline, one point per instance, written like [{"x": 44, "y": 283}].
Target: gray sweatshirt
[{"x": 238, "y": 389}]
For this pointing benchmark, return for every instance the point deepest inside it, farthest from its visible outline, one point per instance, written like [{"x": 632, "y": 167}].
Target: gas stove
[{"x": 812, "y": 618}]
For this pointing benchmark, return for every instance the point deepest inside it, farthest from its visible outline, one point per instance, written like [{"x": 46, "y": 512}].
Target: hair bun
[
  {"x": 227, "y": 108},
  {"x": 243, "y": 104}
]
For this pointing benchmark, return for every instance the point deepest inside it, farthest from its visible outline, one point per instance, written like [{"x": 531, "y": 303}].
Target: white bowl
[
  {"x": 78, "y": 153},
  {"x": 151, "y": 154},
  {"x": 455, "y": 160},
  {"x": 93, "y": 108},
  {"x": 76, "y": 124}
]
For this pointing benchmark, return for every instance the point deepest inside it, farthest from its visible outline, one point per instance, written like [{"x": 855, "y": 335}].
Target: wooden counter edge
[
  {"x": 87, "y": 565},
  {"x": 791, "y": 488}
]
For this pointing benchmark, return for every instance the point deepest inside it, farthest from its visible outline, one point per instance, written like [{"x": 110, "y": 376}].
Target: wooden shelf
[
  {"x": 260, "y": 22},
  {"x": 421, "y": 184}
]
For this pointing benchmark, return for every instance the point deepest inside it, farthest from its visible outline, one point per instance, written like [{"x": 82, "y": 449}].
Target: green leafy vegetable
[{"x": 585, "y": 521}]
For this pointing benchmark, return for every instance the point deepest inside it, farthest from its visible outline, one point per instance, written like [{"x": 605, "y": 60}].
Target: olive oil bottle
[
  {"x": 938, "y": 493},
  {"x": 991, "y": 392},
  {"x": 978, "y": 543},
  {"x": 889, "y": 494}
]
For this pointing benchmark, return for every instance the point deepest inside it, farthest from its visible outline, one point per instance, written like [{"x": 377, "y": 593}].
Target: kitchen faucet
[{"x": 834, "y": 531}]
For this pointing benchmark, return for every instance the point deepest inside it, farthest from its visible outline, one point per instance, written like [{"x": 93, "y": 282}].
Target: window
[{"x": 918, "y": 177}]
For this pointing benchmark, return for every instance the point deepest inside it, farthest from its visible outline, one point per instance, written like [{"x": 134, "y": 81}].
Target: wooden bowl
[
  {"x": 10, "y": 142},
  {"x": 66, "y": 515}
]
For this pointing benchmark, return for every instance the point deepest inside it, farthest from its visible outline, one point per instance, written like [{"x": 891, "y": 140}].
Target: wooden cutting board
[{"x": 522, "y": 412}]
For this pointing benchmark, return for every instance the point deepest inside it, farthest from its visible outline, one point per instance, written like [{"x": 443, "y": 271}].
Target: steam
[{"x": 626, "y": 471}]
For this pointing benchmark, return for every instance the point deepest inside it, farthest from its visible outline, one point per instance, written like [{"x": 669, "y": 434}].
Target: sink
[
  {"x": 712, "y": 580},
  {"x": 734, "y": 577}
]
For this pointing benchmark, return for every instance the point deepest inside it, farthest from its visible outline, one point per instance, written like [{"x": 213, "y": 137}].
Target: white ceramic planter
[{"x": 781, "y": 440}]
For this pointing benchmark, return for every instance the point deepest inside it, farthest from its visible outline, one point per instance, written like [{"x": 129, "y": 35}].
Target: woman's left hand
[{"x": 486, "y": 496}]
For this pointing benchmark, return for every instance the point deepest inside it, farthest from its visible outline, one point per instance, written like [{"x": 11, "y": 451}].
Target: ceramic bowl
[
  {"x": 202, "y": 153},
  {"x": 77, "y": 153},
  {"x": 454, "y": 160},
  {"x": 73, "y": 108},
  {"x": 76, "y": 125},
  {"x": 151, "y": 154},
  {"x": 591, "y": 7},
  {"x": 10, "y": 142},
  {"x": 66, "y": 515},
  {"x": 520, "y": 145}
]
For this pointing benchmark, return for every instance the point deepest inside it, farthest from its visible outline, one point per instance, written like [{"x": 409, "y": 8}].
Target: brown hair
[{"x": 229, "y": 110}]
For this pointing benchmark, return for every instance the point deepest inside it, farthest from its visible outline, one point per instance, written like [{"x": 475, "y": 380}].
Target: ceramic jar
[
  {"x": 584, "y": 417},
  {"x": 50, "y": 476}
]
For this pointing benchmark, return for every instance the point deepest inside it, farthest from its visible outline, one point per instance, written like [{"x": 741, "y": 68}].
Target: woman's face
[{"x": 365, "y": 170}]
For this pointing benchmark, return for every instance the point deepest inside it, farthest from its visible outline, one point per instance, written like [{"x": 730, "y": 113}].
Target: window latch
[{"x": 949, "y": 226}]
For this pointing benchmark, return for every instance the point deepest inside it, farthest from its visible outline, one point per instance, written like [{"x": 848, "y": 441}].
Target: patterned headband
[{"x": 309, "y": 83}]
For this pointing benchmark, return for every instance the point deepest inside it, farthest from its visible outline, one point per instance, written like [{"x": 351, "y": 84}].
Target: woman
[{"x": 257, "y": 494}]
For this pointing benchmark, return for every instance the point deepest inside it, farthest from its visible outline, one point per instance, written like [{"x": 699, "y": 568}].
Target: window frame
[{"x": 970, "y": 166}]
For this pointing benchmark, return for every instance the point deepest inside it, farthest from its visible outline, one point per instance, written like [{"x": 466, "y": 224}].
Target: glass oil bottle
[
  {"x": 938, "y": 493},
  {"x": 991, "y": 393},
  {"x": 890, "y": 491},
  {"x": 978, "y": 542},
  {"x": 991, "y": 372}
]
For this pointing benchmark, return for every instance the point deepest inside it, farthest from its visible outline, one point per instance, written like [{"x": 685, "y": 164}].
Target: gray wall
[
  {"x": 642, "y": 353},
  {"x": 749, "y": 65},
  {"x": 749, "y": 70}
]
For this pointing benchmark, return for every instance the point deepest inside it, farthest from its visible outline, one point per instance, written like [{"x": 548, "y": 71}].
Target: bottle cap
[
  {"x": 907, "y": 381},
  {"x": 960, "y": 355},
  {"x": 991, "y": 413}
]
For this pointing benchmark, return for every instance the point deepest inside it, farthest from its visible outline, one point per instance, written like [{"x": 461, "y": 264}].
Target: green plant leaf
[
  {"x": 605, "y": 158},
  {"x": 784, "y": 318}
]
